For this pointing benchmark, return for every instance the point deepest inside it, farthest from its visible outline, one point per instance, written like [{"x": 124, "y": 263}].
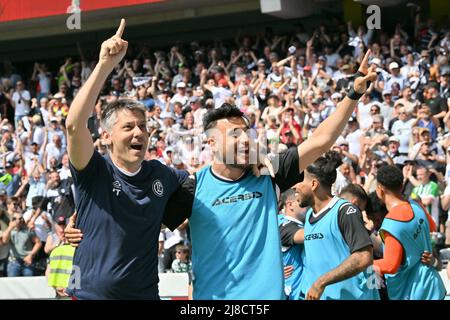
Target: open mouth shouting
[{"x": 137, "y": 146}]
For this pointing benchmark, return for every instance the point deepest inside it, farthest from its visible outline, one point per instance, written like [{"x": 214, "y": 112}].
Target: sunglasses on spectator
[{"x": 17, "y": 219}]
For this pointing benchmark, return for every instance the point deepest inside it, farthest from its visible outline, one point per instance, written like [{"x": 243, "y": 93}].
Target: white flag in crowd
[{"x": 140, "y": 81}]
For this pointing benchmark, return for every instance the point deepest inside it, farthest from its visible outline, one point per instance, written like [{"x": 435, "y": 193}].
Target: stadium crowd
[{"x": 286, "y": 84}]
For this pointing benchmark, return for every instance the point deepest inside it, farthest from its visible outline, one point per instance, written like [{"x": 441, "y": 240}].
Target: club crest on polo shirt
[{"x": 158, "y": 188}]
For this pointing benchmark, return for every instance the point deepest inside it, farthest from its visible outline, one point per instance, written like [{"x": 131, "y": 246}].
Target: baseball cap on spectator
[
  {"x": 445, "y": 72},
  {"x": 393, "y": 65},
  {"x": 307, "y": 68},
  {"x": 181, "y": 84},
  {"x": 169, "y": 149},
  {"x": 261, "y": 62},
  {"x": 148, "y": 103},
  {"x": 322, "y": 58},
  {"x": 8, "y": 165},
  {"x": 352, "y": 120},
  {"x": 5, "y": 128},
  {"x": 58, "y": 95},
  {"x": 53, "y": 119},
  {"x": 393, "y": 139},
  {"x": 345, "y": 67},
  {"x": 336, "y": 95},
  {"x": 386, "y": 92},
  {"x": 193, "y": 99},
  {"x": 165, "y": 115},
  {"x": 341, "y": 141},
  {"x": 376, "y": 61},
  {"x": 315, "y": 101}
]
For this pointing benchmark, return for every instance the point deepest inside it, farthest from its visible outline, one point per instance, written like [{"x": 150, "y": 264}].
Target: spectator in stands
[
  {"x": 402, "y": 128},
  {"x": 182, "y": 263},
  {"x": 428, "y": 192},
  {"x": 4, "y": 247},
  {"x": 172, "y": 239},
  {"x": 20, "y": 101},
  {"x": 25, "y": 245},
  {"x": 60, "y": 196}
]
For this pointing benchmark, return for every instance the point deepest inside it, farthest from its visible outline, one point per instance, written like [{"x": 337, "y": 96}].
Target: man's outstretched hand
[
  {"x": 113, "y": 50},
  {"x": 360, "y": 84}
]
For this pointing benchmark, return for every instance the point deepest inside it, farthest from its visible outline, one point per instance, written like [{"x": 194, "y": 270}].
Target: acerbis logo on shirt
[
  {"x": 241, "y": 197},
  {"x": 314, "y": 236}
]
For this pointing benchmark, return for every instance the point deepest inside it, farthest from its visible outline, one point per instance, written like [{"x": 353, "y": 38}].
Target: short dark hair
[
  {"x": 39, "y": 202},
  {"x": 225, "y": 111},
  {"x": 357, "y": 191},
  {"x": 390, "y": 177},
  {"x": 377, "y": 208},
  {"x": 324, "y": 168},
  {"x": 108, "y": 115}
]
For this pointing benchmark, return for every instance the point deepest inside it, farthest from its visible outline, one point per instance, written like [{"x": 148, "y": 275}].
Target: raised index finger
[
  {"x": 365, "y": 60},
  {"x": 119, "y": 31}
]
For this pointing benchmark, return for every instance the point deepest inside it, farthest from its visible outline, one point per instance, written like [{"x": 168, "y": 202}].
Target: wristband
[{"x": 352, "y": 94}]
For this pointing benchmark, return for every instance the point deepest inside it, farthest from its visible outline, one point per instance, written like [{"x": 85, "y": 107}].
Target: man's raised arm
[
  {"x": 328, "y": 131},
  {"x": 80, "y": 145}
]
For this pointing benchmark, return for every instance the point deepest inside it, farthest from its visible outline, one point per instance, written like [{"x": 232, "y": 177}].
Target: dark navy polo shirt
[{"x": 120, "y": 217}]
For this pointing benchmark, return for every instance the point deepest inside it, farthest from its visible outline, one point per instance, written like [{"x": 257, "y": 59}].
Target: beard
[{"x": 305, "y": 201}]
